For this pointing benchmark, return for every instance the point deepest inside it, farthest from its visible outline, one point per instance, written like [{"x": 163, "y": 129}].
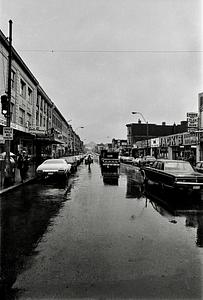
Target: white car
[{"x": 51, "y": 167}]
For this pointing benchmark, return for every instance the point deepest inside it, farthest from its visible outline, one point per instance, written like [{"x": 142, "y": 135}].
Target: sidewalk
[{"x": 30, "y": 176}]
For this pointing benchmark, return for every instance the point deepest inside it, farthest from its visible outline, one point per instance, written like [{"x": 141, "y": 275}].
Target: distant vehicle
[
  {"x": 173, "y": 175},
  {"x": 54, "y": 167}
]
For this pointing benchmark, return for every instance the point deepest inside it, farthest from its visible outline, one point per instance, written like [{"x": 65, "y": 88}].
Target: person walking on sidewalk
[{"x": 22, "y": 165}]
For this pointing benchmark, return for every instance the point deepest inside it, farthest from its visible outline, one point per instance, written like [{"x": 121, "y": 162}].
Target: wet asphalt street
[{"x": 93, "y": 240}]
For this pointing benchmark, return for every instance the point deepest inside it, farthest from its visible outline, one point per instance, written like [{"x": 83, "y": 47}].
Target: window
[
  {"x": 22, "y": 88},
  {"x": 29, "y": 120},
  {"x": 45, "y": 106},
  {"x": 29, "y": 95},
  {"x": 12, "y": 112},
  {"x": 42, "y": 103},
  {"x": 40, "y": 120},
  {"x": 13, "y": 76},
  {"x": 44, "y": 122},
  {"x": 21, "y": 116},
  {"x": 37, "y": 118},
  {"x": 37, "y": 104}
]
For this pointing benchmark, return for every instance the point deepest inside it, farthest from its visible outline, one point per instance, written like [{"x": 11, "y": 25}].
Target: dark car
[{"x": 174, "y": 175}]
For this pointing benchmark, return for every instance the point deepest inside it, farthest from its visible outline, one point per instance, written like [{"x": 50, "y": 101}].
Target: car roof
[{"x": 54, "y": 159}]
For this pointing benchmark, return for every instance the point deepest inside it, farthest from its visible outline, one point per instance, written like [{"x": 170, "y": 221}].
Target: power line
[{"x": 110, "y": 51}]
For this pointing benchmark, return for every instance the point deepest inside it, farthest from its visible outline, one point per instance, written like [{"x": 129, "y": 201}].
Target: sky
[{"x": 99, "y": 60}]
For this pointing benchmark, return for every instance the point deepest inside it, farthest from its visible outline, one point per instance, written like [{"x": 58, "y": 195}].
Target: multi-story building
[
  {"x": 23, "y": 94},
  {"x": 38, "y": 125},
  {"x": 140, "y": 131},
  {"x": 119, "y": 145},
  {"x": 144, "y": 131}
]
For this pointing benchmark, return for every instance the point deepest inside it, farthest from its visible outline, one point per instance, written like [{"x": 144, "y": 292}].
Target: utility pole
[{"x": 8, "y": 115}]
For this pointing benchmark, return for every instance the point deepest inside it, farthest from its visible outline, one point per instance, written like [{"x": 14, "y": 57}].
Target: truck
[{"x": 110, "y": 164}]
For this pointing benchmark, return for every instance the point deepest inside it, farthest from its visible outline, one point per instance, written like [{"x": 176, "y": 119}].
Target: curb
[{"x": 10, "y": 188}]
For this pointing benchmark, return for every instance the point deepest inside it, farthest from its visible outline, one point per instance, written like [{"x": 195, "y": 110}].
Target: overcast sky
[{"x": 99, "y": 60}]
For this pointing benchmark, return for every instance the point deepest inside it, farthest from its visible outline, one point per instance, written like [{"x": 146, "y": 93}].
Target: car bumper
[{"x": 51, "y": 173}]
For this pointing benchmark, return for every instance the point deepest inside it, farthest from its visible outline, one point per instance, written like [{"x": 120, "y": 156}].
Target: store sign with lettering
[
  {"x": 171, "y": 140},
  {"x": 190, "y": 139}
]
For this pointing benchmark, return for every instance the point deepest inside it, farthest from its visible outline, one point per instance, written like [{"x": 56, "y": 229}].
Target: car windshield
[
  {"x": 58, "y": 161},
  {"x": 178, "y": 166}
]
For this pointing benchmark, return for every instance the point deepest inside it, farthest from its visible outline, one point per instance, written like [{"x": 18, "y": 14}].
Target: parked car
[
  {"x": 173, "y": 175},
  {"x": 199, "y": 166},
  {"x": 53, "y": 167},
  {"x": 144, "y": 161},
  {"x": 73, "y": 162}
]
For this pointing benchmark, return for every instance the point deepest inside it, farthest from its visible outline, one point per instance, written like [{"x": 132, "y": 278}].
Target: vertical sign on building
[
  {"x": 200, "y": 110},
  {"x": 192, "y": 121}
]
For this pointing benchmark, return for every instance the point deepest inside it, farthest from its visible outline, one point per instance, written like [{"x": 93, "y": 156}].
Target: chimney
[
  {"x": 163, "y": 123},
  {"x": 139, "y": 121}
]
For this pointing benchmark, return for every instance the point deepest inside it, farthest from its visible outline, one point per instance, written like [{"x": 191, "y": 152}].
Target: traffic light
[{"x": 4, "y": 104}]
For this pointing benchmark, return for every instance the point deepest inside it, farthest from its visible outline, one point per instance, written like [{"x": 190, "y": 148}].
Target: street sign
[{"x": 8, "y": 133}]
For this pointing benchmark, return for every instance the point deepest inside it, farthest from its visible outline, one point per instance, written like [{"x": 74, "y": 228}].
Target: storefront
[{"x": 178, "y": 146}]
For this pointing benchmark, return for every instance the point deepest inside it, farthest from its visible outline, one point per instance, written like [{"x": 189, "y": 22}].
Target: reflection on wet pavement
[{"x": 89, "y": 238}]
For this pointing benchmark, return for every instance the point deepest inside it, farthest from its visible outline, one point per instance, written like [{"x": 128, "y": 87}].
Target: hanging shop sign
[{"x": 192, "y": 121}]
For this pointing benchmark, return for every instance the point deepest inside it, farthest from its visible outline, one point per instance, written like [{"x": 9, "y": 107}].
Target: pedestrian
[
  {"x": 191, "y": 159},
  {"x": 89, "y": 161},
  {"x": 22, "y": 165}
]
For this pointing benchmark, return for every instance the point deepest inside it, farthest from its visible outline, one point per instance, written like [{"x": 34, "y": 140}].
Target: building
[
  {"x": 141, "y": 131},
  {"x": 175, "y": 146},
  {"x": 119, "y": 145},
  {"x": 38, "y": 125},
  {"x": 23, "y": 94}
]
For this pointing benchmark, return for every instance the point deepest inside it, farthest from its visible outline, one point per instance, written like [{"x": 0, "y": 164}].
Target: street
[{"x": 87, "y": 239}]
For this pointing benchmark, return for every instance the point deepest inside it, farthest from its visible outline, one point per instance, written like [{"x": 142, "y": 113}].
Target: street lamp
[{"x": 139, "y": 113}]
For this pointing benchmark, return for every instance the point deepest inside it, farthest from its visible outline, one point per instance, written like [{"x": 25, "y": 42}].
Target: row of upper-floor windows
[
  {"x": 41, "y": 120},
  {"x": 42, "y": 106},
  {"x": 57, "y": 122},
  {"x": 27, "y": 93},
  {"x": 25, "y": 90}
]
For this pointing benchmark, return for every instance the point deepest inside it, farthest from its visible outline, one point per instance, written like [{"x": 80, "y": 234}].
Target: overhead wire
[{"x": 109, "y": 51}]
